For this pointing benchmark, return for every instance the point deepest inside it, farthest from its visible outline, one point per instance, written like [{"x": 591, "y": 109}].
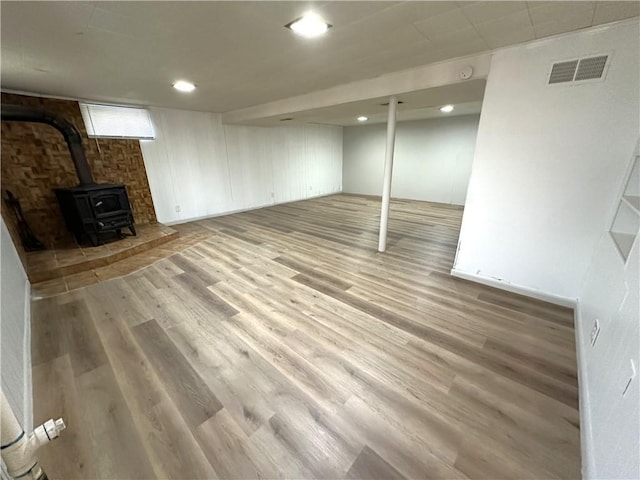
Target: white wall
[
  {"x": 546, "y": 176},
  {"x": 432, "y": 159},
  {"x": 15, "y": 331},
  {"x": 207, "y": 168},
  {"x": 611, "y": 421},
  {"x": 548, "y": 163}
]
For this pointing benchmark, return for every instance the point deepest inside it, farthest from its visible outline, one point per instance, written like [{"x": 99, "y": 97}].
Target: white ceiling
[
  {"x": 239, "y": 54},
  {"x": 416, "y": 105}
]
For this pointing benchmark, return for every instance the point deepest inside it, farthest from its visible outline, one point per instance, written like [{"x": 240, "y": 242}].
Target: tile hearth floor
[{"x": 102, "y": 263}]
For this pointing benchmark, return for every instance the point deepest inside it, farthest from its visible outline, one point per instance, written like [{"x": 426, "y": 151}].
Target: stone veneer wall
[{"x": 35, "y": 159}]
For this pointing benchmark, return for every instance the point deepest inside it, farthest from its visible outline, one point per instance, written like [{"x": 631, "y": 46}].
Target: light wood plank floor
[{"x": 285, "y": 346}]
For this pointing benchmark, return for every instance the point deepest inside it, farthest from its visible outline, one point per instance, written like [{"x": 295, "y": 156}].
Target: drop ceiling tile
[
  {"x": 455, "y": 38},
  {"x": 423, "y": 10},
  {"x": 112, "y": 22},
  {"x": 479, "y": 12},
  {"x": 508, "y": 23},
  {"x": 56, "y": 86},
  {"x": 11, "y": 73},
  {"x": 513, "y": 37},
  {"x": 11, "y": 18},
  {"x": 382, "y": 48},
  {"x": 38, "y": 66},
  {"x": 47, "y": 16},
  {"x": 461, "y": 50},
  {"x": 563, "y": 24},
  {"x": 548, "y": 29},
  {"x": 403, "y": 35},
  {"x": 11, "y": 60},
  {"x": 443, "y": 24},
  {"x": 400, "y": 15},
  {"x": 414, "y": 61},
  {"x": 392, "y": 59},
  {"x": 342, "y": 14},
  {"x": 466, "y": 3},
  {"x": 544, "y": 12},
  {"x": 10, "y": 33},
  {"x": 363, "y": 34},
  {"x": 277, "y": 13},
  {"x": 611, "y": 11},
  {"x": 60, "y": 48}
]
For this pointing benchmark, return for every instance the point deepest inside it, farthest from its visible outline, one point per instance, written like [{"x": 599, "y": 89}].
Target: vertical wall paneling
[
  {"x": 202, "y": 168},
  {"x": 15, "y": 331},
  {"x": 159, "y": 170},
  {"x": 187, "y": 165},
  {"x": 320, "y": 166},
  {"x": 288, "y": 147},
  {"x": 250, "y": 166}
]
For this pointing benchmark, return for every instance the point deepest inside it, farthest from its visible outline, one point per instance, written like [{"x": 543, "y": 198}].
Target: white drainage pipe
[{"x": 19, "y": 449}]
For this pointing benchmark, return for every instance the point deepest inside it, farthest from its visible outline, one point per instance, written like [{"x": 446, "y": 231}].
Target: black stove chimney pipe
[{"x": 20, "y": 113}]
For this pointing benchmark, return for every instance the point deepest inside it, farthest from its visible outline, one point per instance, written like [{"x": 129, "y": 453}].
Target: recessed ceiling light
[
  {"x": 362, "y": 118},
  {"x": 446, "y": 109},
  {"x": 309, "y": 25},
  {"x": 184, "y": 86}
]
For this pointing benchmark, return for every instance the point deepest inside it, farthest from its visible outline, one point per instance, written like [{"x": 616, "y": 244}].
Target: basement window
[{"x": 109, "y": 121}]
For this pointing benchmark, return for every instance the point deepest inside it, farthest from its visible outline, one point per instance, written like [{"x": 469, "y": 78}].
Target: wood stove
[
  {"x": 93, "y": 210},
  {"x": 90, "y": 209}
]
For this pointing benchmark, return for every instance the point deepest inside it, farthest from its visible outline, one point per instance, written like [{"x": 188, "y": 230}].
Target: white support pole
[{"x": 388, "y": 170}]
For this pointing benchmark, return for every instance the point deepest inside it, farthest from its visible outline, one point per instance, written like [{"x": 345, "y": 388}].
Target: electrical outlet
[
  {"x": 632, "y": 375},
  {"x": 178, "y": 209},
  {"x": 273, "y": 195},
  {"x": 595, "y": 331}
]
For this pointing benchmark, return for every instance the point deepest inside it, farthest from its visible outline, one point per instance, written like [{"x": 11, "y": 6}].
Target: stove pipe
[{"x": 20, "y": 113}]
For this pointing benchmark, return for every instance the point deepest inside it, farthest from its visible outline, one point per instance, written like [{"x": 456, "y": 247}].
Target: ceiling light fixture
[
  {"x": 184, "y": 86},
  {"x": 362, "y": 118},
  {"x": 446, "y": 109},
  {"x": 309, "y": 25}
]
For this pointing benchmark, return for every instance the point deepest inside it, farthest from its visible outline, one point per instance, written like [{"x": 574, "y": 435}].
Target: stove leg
[{"x": 133, "y": 230}]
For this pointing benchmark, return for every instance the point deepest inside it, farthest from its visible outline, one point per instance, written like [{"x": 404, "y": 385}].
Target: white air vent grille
[
  {"x": 563, "y": 72},
  {"x": 591, "y": 68},
  {"x": 578, "y": 70}
]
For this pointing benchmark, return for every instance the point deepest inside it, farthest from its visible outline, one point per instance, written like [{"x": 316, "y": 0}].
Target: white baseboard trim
[
  {"x": 28, "y": 383},
  {"x": 240, "y": 210},
  {"x": 379, "y": 197},
  {"x": 509, "y": 287},
  {"x": 586, "y": 429}
]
